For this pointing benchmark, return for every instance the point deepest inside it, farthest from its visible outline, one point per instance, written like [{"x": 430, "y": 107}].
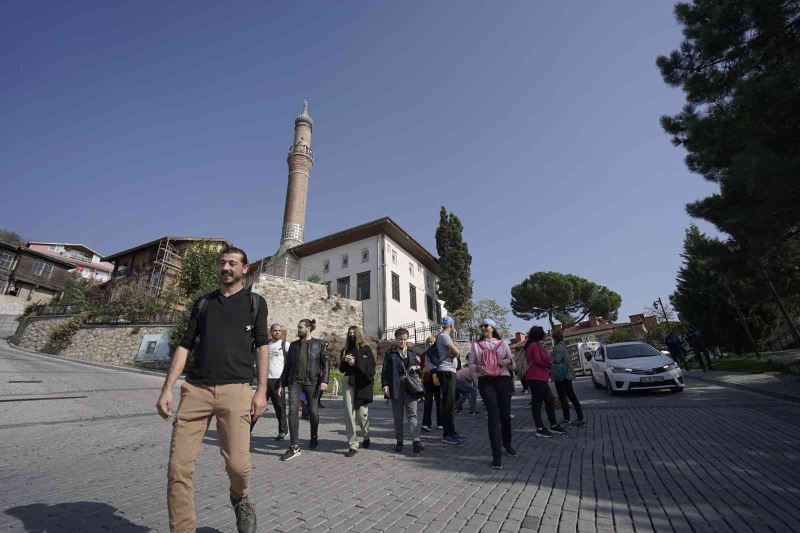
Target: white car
[{"x": 627, "y": 366}]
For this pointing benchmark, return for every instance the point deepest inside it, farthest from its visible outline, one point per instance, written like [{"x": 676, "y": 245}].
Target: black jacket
[
  {"x": 360, "y": 376},
  {"x": 394, "y": 366},
  {"x": 317, "y": 362}
]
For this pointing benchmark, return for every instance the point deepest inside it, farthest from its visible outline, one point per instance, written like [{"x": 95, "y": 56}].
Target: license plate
[{"x": 652, "y": 379}]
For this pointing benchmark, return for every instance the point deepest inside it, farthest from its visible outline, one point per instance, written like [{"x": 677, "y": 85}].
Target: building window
[
  {"x": 394, "y": 257},
  {"x": 42, "y": 269},
  {"x": 345, "y": 261},
  {"x": 343, "y": 287},
  {"x": 395, "y": 287},
  {"x": 419, "y": 269},
  {"x": 411, "y": 269},
  {"x": 328, "y": 287},
  {"x": 326, "y": 266},
  {"x": 365, "y": 255},
  {"x": 412, "y": 293},
  {"x": 362, "y": 286},
  {"x": 429, "y": 306},
  {"x": 438, "y": 313},
  {"x": 6, "y": 259}
]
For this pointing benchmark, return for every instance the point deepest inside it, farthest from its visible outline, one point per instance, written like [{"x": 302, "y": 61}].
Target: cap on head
[
  {"x": 447, "y": 322},
  {"x": 490, "y": 322}
]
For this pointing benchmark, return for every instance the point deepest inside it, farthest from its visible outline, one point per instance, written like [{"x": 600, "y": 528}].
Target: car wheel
[{"x": 608, "y": 387}]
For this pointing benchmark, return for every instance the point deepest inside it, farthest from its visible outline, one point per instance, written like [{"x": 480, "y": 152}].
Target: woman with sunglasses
[{"x": 491, "y": 360}]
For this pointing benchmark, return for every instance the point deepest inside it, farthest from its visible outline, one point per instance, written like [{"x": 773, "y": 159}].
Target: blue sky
[{"x": 535, "y": 122}]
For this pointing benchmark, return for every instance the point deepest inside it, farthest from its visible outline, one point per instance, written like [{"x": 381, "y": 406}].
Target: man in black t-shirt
[{"x": 226, "y": 329}]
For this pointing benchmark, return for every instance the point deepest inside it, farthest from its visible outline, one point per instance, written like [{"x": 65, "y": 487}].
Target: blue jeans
[{"x": 465, "y": 391}]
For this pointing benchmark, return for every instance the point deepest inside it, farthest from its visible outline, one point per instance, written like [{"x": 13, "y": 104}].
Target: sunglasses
[{"x": 485, "y": 325}]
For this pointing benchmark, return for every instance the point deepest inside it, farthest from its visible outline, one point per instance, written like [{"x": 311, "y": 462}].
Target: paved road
[{"x": 82, "y": 450}]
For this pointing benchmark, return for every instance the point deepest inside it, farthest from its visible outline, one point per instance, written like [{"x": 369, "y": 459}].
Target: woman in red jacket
[{"x": 538, "y": 378}]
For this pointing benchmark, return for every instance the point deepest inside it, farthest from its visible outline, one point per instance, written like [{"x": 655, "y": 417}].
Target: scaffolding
[{"x": 167, "y": 262}]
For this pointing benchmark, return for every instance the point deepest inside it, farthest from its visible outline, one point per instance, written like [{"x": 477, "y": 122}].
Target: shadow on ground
[{"x": 74, "y": 516}]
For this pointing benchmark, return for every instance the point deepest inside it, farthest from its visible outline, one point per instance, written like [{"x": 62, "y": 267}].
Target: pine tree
[{"x": 455, "y": 262}]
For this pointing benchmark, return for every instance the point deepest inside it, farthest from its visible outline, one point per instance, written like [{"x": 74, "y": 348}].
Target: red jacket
[{"x": 539, "y": 363}]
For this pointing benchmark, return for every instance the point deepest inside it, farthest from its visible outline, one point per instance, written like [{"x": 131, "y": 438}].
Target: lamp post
[
  {"x": 775, "y": 296},
  {"x": 663, "y": 310}
]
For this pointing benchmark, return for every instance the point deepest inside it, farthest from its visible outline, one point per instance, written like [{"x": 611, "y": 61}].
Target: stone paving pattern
[{"x": 708, "y": 459}]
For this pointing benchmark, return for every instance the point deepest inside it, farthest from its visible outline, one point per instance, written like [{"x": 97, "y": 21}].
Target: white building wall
[
  {"x": 411, "y": 272},
  {"x": 380, "y": 303},
  {"x": 315, "y": 265}
]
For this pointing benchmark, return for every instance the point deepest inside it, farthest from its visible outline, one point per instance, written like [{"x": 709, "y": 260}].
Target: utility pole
[{"x": 786, "y": 317}]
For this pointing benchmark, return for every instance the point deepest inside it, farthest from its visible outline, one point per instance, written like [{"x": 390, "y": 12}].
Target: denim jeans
[{"x": 465, "y": 391}]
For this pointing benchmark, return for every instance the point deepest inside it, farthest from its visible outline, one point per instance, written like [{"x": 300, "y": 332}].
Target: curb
[
  {"x": 748, "y": 388},
  {"x": 89, "y": 363}
]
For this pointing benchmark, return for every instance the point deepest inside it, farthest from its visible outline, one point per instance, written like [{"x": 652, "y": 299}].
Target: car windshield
[{"x": 629, "y": 351}]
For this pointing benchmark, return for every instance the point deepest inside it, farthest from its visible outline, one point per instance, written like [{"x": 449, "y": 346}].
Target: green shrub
[{"x": 61, "y": 336}]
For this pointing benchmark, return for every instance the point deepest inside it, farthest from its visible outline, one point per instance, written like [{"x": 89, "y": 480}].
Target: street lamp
[
  {"x": 663, "y": 310},
  {"x": 733, "y": 246}
]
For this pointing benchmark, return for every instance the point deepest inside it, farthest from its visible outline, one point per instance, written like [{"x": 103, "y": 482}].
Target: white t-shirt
[{"x": 276, "y": 358}]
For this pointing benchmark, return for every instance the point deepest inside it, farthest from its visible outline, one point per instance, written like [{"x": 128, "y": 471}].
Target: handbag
[{"x": 413, "y": 385}]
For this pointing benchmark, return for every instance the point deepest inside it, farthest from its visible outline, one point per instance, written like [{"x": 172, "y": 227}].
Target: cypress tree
[{"x": 455, "y": 262}]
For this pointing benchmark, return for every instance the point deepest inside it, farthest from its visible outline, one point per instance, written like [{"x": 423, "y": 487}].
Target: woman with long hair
[
  {"x": 491, "y": 360},
  {"x": 538, "y": 377},
  {"x": 357, "y": 363}
]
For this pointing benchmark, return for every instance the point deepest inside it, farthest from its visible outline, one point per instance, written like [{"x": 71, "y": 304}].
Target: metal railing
[{"x": 418, "y": 333}]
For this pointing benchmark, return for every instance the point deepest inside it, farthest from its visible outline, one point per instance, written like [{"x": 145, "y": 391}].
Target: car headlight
[
  {"x": 671, "y": 366},
  {"x": 620, "y": 370}
]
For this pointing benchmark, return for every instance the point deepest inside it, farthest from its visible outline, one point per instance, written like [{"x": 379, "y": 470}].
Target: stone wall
[
  {"x": 33, "y": 332},
  {"x": 291, "y": 300},
  {"x": 116, "y": 345}
]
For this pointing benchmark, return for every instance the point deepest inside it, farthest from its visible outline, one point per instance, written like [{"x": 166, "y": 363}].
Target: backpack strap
[{"x": 254, "y": 303}]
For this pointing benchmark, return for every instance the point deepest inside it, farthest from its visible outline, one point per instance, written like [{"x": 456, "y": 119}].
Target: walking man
[
  {"x": 695, "y": 339},
  {"x": 278, "y": 347},
  {"x": 305, "y": 371},
  {"x": 446, "y": 372},
  {"x": 225, "y": 327},
  {"x": 676, "y": 349}
]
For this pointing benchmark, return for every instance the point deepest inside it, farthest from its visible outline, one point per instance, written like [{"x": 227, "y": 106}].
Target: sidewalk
[{"x": 781, "y": 386}]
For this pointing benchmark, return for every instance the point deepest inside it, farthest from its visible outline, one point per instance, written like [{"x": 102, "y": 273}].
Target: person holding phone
[
  {"x": 399, "y": 360},
  {"x": 492, "y": 361},
  {"x": 357, "y": 364}
]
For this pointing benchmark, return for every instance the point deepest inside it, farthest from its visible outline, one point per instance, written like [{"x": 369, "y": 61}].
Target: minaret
[{"x": 300, "y": 161}]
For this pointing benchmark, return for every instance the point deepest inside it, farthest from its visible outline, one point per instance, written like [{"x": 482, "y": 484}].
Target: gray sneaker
[{"x": 245, "y": 515}]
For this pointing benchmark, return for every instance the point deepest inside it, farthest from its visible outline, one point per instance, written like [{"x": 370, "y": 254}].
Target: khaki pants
[
  {"x": 230, "y": 404},
  {"x": 350, "y": 417}
]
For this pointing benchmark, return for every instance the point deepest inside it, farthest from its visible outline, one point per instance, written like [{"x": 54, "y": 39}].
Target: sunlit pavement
[{"x": 81, "y": 449}]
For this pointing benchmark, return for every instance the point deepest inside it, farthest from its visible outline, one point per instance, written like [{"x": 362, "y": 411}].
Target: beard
[
  {"x": 302, "y": 335},
  {"x": 229, "y": 279}
]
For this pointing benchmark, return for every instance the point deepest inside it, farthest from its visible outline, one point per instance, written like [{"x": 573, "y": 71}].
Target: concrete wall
[{"x": 291, "y": 300}]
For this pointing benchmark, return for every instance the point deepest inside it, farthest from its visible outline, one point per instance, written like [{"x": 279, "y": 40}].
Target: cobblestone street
[{"x": 81, "y": 449}]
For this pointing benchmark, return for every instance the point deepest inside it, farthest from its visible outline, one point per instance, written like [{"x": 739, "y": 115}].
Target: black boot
[{"x": 245, "y": 515}]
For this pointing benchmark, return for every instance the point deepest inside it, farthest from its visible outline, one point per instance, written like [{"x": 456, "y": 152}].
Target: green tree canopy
[
  {"x": 471, "y": 314},
  {"x": 739, "y": 65},
  {"x": 455, "y": 262},
  {"x": 564, "y": 297}
]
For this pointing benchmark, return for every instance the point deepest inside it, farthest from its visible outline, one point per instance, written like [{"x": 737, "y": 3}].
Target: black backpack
[{"x": 432, "y": 355}]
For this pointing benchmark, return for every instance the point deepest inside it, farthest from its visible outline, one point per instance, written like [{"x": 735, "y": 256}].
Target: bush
[{"x": 61, "y": 336}]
